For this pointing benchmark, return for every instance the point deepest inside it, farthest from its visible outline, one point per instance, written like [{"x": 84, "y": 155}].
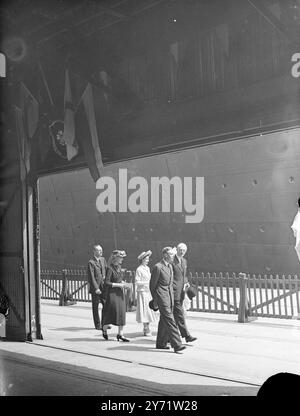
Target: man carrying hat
[
  {"x": 96, "y": 275},
  {"x": 161, "y": 288},
  {"x": 180, "y": 284}
]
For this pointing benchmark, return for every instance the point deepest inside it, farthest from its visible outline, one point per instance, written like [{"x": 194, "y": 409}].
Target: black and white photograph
[{"x": 149, "y": 202}]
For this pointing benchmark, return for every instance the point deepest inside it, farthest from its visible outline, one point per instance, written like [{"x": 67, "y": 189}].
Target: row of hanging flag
[{"x": 80, "y": 129}]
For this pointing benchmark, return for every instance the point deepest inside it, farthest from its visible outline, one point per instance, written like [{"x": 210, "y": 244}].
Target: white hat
[{"x": 144, "y": 254}]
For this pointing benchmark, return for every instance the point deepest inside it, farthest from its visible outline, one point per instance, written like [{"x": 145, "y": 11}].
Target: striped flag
[
  {"x": 87, "y": 133},
  {"x": 27, "y": 120},
  {"x": 23, "y": 144},
  {"x": 30, "y": 111},
  {"x": 69, "y": 121}
]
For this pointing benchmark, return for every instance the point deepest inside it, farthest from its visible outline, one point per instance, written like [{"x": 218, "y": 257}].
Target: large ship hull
[{"x": 251, "y": 188}]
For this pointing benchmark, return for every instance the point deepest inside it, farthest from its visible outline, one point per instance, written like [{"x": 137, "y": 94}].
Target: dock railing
[
  {"x": 69, "y": 286},
  {"x": 242, "y": 294}
]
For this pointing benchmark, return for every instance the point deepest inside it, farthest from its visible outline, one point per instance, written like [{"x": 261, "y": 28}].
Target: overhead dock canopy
[{"x": 165, "y": 74}]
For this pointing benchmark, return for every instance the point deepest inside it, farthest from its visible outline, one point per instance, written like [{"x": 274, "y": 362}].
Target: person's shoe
[
  {"x": 98, "y": 327},
  {"x": 163, "y": 347},
  {"x": 104, "y": 334},
  {"x": 147, "y": 331},
  {"x": 181, "y": 348},
  {"x": 190, "y": 338},
  {"x": 120, "y": 337}
]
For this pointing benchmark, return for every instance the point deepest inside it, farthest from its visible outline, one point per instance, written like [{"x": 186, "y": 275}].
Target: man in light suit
[
  {"x": 180, "y": 283},
  {"x": 96, "y": 274},
  {"x": 161, "y": 288}
]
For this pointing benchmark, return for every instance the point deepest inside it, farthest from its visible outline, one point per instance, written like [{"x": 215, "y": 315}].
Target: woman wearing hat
[
  {"x": 114, "y": 312},
  {"x": 144, "y": 314}
]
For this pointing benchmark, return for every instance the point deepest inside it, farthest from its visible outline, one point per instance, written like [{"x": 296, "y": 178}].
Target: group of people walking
[{"x": 160, "y": 295}]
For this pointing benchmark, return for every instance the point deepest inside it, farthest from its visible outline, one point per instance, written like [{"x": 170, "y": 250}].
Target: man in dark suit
[
  {"x": 180, "y": 283},
  {"x": 96, "y": 274},
  {"x": 161, "y": 288}
]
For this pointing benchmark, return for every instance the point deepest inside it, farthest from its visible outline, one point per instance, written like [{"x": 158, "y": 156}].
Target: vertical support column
[
  {"x": 242, "y": 313},
  {"x": 36, "y": 222},
  {"x": 25, "y": 266},
  {"x": 31, "y": 250},
  {"x": 64, "y": 291},
  {"x": 31, "y": 253},
  {"x": 17, "y": 235},
  {"x": 66, "y": 298}
]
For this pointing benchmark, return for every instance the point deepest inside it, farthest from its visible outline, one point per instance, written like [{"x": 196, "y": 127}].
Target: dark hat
[
  {"x": 153, "y": 306},
  {"x": 118, "y": 253},
  {"x": 191, "y": 292}
]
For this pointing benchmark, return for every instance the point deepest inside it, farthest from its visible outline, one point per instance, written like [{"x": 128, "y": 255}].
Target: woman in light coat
[{"x": 144, "y": 314}]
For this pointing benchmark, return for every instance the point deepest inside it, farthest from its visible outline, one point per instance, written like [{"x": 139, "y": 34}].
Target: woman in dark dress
[{"x": 114, "y": 312}]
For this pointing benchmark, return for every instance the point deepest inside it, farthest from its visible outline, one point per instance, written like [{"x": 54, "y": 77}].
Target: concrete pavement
[{"x": 228, "y": 358}]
